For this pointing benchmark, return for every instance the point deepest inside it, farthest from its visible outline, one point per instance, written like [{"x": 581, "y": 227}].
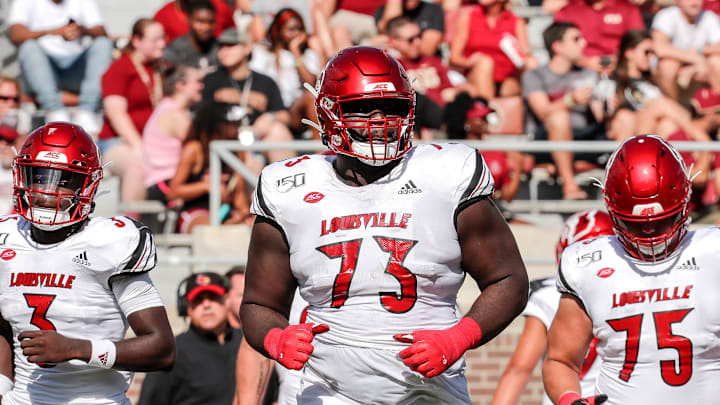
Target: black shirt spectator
[
  {"x": 426, "y": 15},
  {"x": 259, "y": 83},
  {"x": 198, "y": 48}
]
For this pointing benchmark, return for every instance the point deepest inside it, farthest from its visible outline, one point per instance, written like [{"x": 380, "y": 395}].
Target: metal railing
[{"x": 222, "y": 151}]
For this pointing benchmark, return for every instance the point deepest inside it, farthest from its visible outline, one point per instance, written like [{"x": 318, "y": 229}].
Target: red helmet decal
[{"x": 313, "y": 197}]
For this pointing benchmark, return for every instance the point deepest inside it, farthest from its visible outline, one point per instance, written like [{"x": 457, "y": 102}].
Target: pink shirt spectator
[
  {"x": 367, "y": 7},
  {"x": 162, "y": 151},
  {"x": 431, "y": 76},
  {"x": 602, "y": 28},
  {"x": 485, "y": 39}
]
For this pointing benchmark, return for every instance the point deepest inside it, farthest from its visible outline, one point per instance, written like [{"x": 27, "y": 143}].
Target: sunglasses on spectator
[
  {"x": 411, "y": 39},
  {"x": 9, "y": 98}
]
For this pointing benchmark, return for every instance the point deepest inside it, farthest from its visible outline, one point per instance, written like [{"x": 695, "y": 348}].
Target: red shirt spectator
[
  {"x": 175, "y": 21},
  {"x": 123, "y": 79},
  {"x": 361, "y": 6},
  {"x": 603, "y": 26},
  {"x": 486, "y": 39},
  {"x": 431, "y": 76}
]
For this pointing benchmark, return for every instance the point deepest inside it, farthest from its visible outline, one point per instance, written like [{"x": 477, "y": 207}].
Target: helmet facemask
[
  {"x": 376, "y": 130},
  {"x": 652, "y": 237},
  {"x": 53, "y": 197}
]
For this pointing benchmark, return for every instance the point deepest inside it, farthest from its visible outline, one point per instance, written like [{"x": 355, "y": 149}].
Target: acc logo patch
[
  {"x": 605, "y": 272},
  {"x": 7, "y": 254},
  {"x": 313, "y": 197}
]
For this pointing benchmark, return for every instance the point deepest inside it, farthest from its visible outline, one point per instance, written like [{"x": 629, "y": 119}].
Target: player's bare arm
[
  {"x": 568, "y": 341},
  {"x": 152, "y": 348},
  {"x": 252, "y": 375},
  {"x": 491, "y": 257},
  {"x": 269, "y": 284}
]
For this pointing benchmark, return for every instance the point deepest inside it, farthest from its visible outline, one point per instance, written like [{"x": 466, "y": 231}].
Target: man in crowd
[
  {"x": 257, "y": 94},
  {"x": 558, "y": 96},
  {"x": 54, "y": 56},
  {"x": 198, "y": 48},
  {"x": 204, "y": 372}
]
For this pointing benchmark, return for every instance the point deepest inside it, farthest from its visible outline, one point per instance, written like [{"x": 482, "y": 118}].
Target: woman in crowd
[
  {"x": 491, "y": 44},
  {"x": 131, "y": 88},
  {"x": 641, "y": 107},
  {"x": 191, "y": 182},
  {"x": 290, "y": 61}
]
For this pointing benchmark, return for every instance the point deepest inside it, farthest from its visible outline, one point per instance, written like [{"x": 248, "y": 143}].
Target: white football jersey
[
  {"x": 380, "y": 259},
  {"x": 543, "y": 304},
  {"x": 67, "y": 287},
  {"x": 657, "y": 324}
]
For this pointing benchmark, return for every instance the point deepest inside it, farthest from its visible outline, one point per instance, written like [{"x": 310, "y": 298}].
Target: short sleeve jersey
[
  {"x": 380, "y": 258},
  {"x": 67, "y": 287},
  {"x": 657, "y": 324}
]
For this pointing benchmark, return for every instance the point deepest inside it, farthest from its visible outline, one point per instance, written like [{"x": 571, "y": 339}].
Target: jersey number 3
[
  {"x": 390, "y": 300},
  {"x": 40, "y": 304}
]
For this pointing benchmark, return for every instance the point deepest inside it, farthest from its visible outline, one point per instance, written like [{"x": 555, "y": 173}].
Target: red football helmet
[
  {"x": 56, "y": 175},
  {"x": 582, "y": 225},
  {"x": 365, "y": 105},
  {"x": 647, "y": 190}
]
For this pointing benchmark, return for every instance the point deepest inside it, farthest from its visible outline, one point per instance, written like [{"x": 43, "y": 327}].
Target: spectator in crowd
[
  {"x": 257, "y": 94},
  {"x": 11, "y": 115},
  {"x": 706, "y": 120},
  {"x": 686, "y": 39},
  {"x": 197, "y": 48},
  {"x": 351, "y": 21},
  {"x": 191, "y": 182},
  {"x": 315, "y": 22},
  {"x": 558, "y": 96},
  {"x": 236, "y": 280},
  {"x": 167, "y": 128},
  {"x": 469, "y": 120},
  {"x": 428, "y": 16},
  {"x": 131, "y": 88},
  {"x": 53, "y": 55},
  {"x": 491, "y": 44},
  {"x": 204, "y": 372},
  {"x": 602, "y": 24},
  {"x": 428, "y": 72},
  {"x": 290, "y": 62},
  {"x": 641, "y": 107},
  {"x": 173, "y": 16}
]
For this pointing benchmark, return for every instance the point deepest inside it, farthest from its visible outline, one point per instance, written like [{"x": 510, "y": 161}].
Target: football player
[
  {"x": 70, "y": 284},
  {"x": 378, "y": 238},
  {"x": 540, "y": 310},
  {"x": 649, "y": 293}
]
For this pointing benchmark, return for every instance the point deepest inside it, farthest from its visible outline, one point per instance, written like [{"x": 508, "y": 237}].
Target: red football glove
[
  {"x": 291, "y": 346},
  {"x": 572, "y": 398},
  {"x": 433, "y": 351}
]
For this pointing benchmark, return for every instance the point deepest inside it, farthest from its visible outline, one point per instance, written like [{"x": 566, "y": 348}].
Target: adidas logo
[
  {"x": 688, "y": 265},
  {"x": 81, "y": 259},
  {"x": 103, "y": 358},
  {"x": 409, "y": 188}
]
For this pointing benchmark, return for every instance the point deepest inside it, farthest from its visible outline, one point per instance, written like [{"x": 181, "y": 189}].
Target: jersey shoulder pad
[
  {"x": 579, "y": 263},
  {"x": 281, "y": 182},
  {"x": 128, "y": 245},
  {"x": 459, "y": 169},
  {"x": 543, "y": 301}
]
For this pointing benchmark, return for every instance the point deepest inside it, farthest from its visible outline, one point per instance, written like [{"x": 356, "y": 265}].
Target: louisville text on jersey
[
  {"x": 373, "y": 220},
  {"x": 654, "y": 295},
  {"x": 41, "y": 280}
]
